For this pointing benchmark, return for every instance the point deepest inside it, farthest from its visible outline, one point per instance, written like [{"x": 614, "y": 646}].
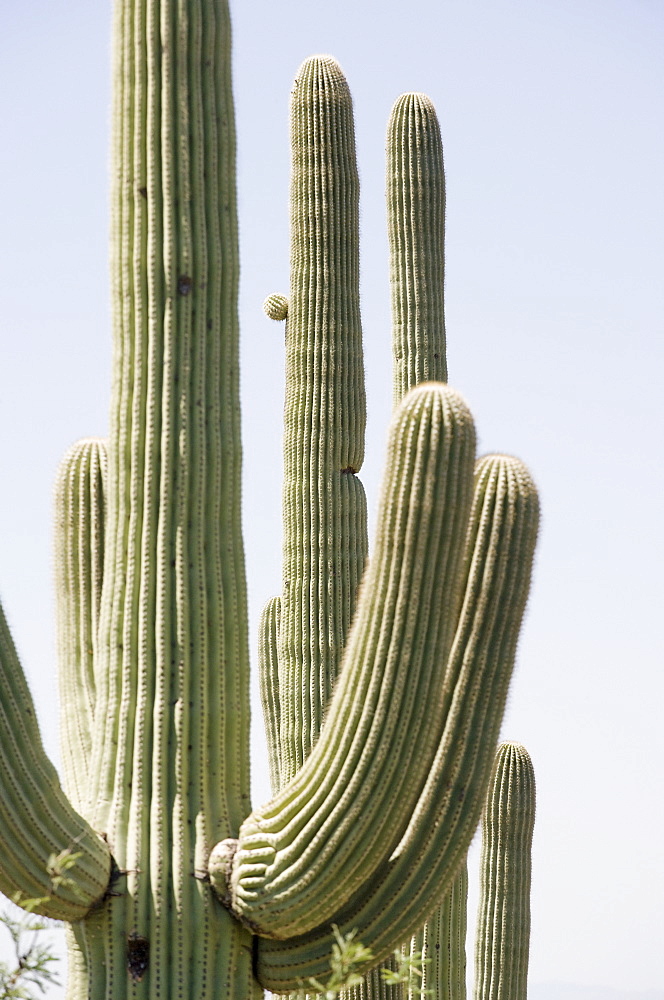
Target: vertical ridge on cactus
[
  {"x": 268, "y": 665},
  {"x": 503, "y": 928}
]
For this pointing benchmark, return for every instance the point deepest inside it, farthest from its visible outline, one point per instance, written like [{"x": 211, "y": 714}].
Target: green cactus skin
[
  {"x": 170, "y": 753},
  {"x": 268, "y": 666},
  {"x": 442, "y": 945},
  {"x": 355, "y": 795},
  {"x": 503, "y": 929},
  {"x": 353, "y": 835},
  {"x": 416, "y": 229},
  {"x": 79, "y": 555},
  {"x": 415, "y": 195},
  {"x": 168, "y": 765},
  {"x": 325, "y": 543},
  {"x": 37, "y": 822},
  {"x": 497, "y": 565}
]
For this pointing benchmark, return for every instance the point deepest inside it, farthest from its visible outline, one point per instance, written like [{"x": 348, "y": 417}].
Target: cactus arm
[
  {"x": 442, "y": 945},
  {"x": 268, "y": 666},
  {"x": 416, "y": 229},
  {"x": 38, "y": 825},
  {"x": 503, "y": 931},
  {"x": 404, "y": 891},
  {"x": 79, "y": 548},
  {"x": 325, "y": 543},
  {"x": 302, "y": 856}
]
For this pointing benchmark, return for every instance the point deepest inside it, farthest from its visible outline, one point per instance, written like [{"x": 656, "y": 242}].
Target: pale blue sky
[{"x": 551, "y": 113}]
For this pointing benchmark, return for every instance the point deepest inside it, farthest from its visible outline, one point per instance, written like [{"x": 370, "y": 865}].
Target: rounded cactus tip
[
  {"x": 276, "y": 307},
  {"x": 414, "y": 99}
]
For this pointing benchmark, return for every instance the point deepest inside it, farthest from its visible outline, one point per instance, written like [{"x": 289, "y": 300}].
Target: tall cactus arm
[
  {"x": 416, "y": 229},
  {"x": 325, "y": 543},
  {"x": 415, "y": 192},
  {"x": 503, "y": 930},
  {"x": 268, "y": 667},
  {"x": 79, "y": 556},
  {"x": 39, "y": 829},
  {"x": 405, "y": 890},
  {"x": 304, "y": 854}
]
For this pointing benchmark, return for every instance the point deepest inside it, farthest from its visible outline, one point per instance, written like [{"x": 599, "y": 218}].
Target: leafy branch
[
  {"x": 348, "y": 957},
  {"x": 33, "y": 962},
  {"x": 32, "y": 965}
]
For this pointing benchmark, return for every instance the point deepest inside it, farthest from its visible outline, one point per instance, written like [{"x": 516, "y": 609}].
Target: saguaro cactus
[{"x": 155, "y": 647}]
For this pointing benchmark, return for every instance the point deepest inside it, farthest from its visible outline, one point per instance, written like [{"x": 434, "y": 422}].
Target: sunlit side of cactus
[{"x": 381, "y": 732}]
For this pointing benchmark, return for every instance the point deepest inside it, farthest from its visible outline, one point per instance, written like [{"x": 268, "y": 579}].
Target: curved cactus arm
[
  {"x": 79, "y": 554},
  {"x": 405, "y": 890},
  {"x": 324, "y": 507},
  {"x": 416, "y": 228},
  {"x": 503, "y": 930},
  {"x": 268, "y": 667},
  {"x": 442, "y": 945},
  {"x": 303, "y": 855},
  {"x": 40, "y": 832}
]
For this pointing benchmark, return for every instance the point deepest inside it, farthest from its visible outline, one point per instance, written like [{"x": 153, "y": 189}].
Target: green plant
[
  {"x": 32, "y": 967},
  {"x": 376, "y": 807},
  {"x": 348, "y": 956}
]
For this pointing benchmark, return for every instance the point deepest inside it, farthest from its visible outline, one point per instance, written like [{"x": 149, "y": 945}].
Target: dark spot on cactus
[
  {"x": 349, "y": 471},
  {"x": 143, "y": 192},
  {"x": 138, "y": 956},
  {"x": 209, "y": 324},
  {"x": 436, "y": 356},
  {"x": 185, "y": 284}
]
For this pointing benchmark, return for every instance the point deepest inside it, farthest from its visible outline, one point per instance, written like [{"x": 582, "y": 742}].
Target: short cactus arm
[
  {"x": 39, "y": 829},
  {"x": 416, "y": 228},
  {"x": 79, "y": 552},
  {"x": 407, "y": 888},
  {"x": 302, "y": 856},
  {"x": 503, "y": 931},
  {"x": 268, "y": 667}
]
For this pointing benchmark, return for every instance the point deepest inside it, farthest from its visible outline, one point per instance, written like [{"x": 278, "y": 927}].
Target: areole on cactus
[{"x": 384, "y": 699}]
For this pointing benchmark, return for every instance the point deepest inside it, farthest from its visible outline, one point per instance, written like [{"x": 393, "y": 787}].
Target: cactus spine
[{"x": 158, "y": 772}]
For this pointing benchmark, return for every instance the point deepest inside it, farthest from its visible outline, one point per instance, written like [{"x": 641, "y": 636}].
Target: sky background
[{"x": 551, "y": 120}]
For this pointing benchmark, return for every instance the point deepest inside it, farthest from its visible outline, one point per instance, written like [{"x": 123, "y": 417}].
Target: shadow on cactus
[{"x": 178, "y": 888}]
